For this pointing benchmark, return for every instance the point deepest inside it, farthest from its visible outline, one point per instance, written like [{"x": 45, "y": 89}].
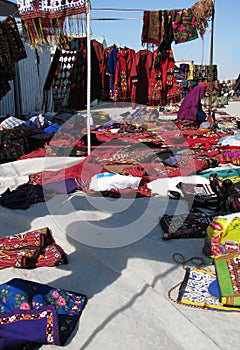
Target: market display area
[
  {"x": 138, "y": 143},
  {"x": 104, "y": 211},
  {"x": 117, "y": 214}
]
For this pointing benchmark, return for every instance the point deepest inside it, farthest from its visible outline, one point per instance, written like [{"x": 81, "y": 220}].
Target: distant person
[{"x": 191, "y": 107}]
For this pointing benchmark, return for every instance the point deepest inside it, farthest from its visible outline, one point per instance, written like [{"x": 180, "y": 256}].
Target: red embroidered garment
[
  {"x": 140, "y": 76},
  {"x": 122, "y": 82}
]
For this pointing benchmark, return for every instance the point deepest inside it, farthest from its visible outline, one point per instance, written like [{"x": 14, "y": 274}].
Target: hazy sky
[{"x": 226, "y": 46}]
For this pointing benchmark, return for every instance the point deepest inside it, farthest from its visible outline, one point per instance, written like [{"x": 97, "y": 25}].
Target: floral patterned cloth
[
  {"x": 184, "y": 26},
  {"x": 34, "y": 313}
]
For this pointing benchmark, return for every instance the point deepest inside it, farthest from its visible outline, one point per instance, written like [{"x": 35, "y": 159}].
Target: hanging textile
[
  {"x": 106, "y": 78},
  {"x": 43, "y": 21},
  {"x": 11, "y": 50},
  {"x": 122, "y": 82},
  {"x": 203, "y": 12},
  {"x": 162, "y": 86},
  {"x": 140, "y": 76},
  {"x": 184, "y": 26},
  {"x": 118, "y": 68},
  {"x": 157, "y": 28},
  {"x": 160, "y": 28},
  {"x": 111, "y": 69},
  {"x": 16, "y": 46},
  {"x": 151, "y": 31},
  {"x": 67, "y": 77},
  {"x": 205, "y": 72}
]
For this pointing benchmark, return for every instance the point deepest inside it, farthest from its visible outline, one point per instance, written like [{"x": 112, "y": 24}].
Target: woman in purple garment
[{"x": 191, "y": 107}]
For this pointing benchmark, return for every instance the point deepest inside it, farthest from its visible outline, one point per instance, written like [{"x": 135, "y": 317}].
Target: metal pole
[
  {"x": 88, "y": 8},
  {"x": 211, "y": 62}
]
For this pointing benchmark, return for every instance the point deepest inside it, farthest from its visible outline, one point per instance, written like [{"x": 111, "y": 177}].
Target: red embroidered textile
[
  {"x": 31, "y": 249},
  {"x": 42, "y": 21}
]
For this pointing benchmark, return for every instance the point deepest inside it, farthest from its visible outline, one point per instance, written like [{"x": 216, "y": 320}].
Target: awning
[{"x": 8, "y": 8}]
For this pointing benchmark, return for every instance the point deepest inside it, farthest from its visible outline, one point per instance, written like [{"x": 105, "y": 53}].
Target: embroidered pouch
[{"x": 199, "y": 289}]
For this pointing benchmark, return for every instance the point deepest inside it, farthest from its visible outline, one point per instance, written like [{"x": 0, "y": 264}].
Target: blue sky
[{"x": 226, "y": 47}]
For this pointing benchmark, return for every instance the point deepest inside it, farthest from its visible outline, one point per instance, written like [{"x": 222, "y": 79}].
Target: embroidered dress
[
  {"x": 33, "y": 313},
  {"x": 111, "y": 69},
  {"x": 122, "y": 82},
  {"x": 162, "y": 79},
  {"x": 106, "y": 77},
  {"x": 140, "y": 76}
]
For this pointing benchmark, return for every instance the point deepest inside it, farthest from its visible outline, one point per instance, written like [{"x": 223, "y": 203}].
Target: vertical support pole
[
  {"x": 88, "y": 9},
  {"x": 211, "y": 63}
]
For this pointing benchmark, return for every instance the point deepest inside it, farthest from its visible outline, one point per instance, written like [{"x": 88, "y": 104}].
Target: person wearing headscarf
[{"x": 191, "y": 107}]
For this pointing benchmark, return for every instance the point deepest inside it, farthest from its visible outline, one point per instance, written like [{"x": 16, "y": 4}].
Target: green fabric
[
  {"x": 227, "y": 272},
  {"x": 224, "y": 173},
  {"x": 224, "y": 281}
]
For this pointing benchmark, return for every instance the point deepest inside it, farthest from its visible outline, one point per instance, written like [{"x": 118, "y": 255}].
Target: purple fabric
[
  {"x": 35, "y": 313},
  {"x": 190, "y": 104},
  {"x": 31, "y": 330},
  {"x": 63, "y": 186}
]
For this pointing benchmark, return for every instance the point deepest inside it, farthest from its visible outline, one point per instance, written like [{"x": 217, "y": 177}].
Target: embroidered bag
[
  {"x": 192, "y": 225},
  {"x": 199, "y": 289}
]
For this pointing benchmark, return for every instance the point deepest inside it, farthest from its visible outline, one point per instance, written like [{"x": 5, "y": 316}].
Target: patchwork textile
[
  {"x": 199, "y": 289},
  {"x": 34, "y": 313},
  {"x": 31, "y": 249},
  {"x": 228, "y": 275},
  {"x": 43, "y": 20}
]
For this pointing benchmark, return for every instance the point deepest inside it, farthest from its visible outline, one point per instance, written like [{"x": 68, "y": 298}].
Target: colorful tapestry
[
  {"x": 34, "y": 313},
  {"x": 43, "y": 20},
  {"x": 228, "y": 275},
  {"x": 30, "y": 250},
  {"x": 184, "y": 28},
  {"x": 151, "y": 31}
]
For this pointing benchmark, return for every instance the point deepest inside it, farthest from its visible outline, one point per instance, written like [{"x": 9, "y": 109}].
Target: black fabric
[{"x": 22, "y": 197}]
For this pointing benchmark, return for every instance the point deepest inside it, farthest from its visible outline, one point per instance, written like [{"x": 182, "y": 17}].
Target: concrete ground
[{"x": 233, "y": 108}]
